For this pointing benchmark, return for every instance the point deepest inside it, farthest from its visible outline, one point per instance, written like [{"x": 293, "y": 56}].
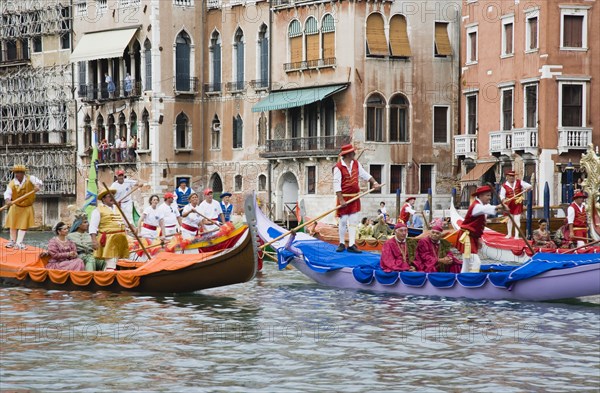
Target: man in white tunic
[
  {"x": 210, "y": 209},
  {"x": 171, "y": 214},
  {"x": 123, "y": 196}
]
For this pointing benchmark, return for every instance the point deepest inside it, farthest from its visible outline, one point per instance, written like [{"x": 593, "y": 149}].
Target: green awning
[{"x": 298, "y": 97}]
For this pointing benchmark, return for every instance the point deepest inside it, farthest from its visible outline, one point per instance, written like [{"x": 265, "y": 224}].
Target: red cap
[
  {"x": 400, "y": 224},
  {"x": 346, "y": 149},
  {"x": 120, "y": 172},
  {"x": 169, "y": 195},
  {"x": 208, "y": 191},
  {"x": 481, "y": 190},
  {"x": 511, "y": 173},
  {"x": 580, "y": 194},
  {"x": 409, "y": 198}
]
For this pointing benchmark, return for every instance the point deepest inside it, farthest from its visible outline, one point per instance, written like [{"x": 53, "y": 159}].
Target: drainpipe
[
  {"x": 269, "y": 165},
  {"x": 75, "y": 100},
  {"x": 203, "y": 175}
]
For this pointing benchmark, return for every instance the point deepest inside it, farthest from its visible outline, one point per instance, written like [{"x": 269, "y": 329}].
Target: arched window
[
  {"x": 399, "y": 119},
  {"x": 399, "y": 43},
  {"x": 311, "y": 32},
  {"x": 122, "y": 126},
  {"x": 181, "y": 131},
  {"x": 216, "y": 133},
  {"x": 215, "y": 70},
  {"x": 238, "y": 183},
  {"x": 148, "y": 64},
  {"x": 376, "y": 41},
  {"x": 295, "y": 37},
  {"x": 328, "y": 39},
  {"x": 263, "y": 55},
  {"x": 216, "y": 183},
  {"x": 146, "y": 130},
  {"x": 262, "y": 183},
  {"x": 327, "y": 119},
  {"x": 182, "y": 62},
  {"x": 238, "y": 49},
  {"x": 262, "y": 129},
  {"x": 112, "y": 130},
  {"x": 375, "y": 111},
  {"x": 238, "y": 131},
  {"x": 133, "y": 124},
  {"x": 87, "y": 132},
  {"x": 101, "y": 129}
]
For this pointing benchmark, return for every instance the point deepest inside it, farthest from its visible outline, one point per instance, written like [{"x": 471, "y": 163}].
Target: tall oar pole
[
  {"x": 512, "y": 219},
  {"x": 19, "y": 199},
  {"x": 317, "y": 218},
  {"x": 131, "y": 228}
]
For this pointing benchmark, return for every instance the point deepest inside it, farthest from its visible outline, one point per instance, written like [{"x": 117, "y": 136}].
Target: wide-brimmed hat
[
  {"x": 580, "y": 194},
  {"x": 225, "y": 194},
  {"x": 347, "y": 149},
  {"x": 409, "y": 198},
  {"x": 102, "y": 194},
  {"x": 19, "y": 168},
  {"x": 207, "y": 191},
  {"x": 511, "y": 173},
  {"x": 481, "y": 190}
]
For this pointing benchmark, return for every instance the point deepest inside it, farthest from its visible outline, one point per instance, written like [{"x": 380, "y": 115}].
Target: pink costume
[
  {"x": 394, "y": 256},
  {"x": 61, "y": 257},
  {"x": 427, "y": 255}
]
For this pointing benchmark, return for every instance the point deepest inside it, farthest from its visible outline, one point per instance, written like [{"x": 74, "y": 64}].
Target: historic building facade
[{"x": 529, "y": 84}]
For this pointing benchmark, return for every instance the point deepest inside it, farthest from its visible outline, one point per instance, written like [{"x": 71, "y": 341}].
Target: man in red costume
[
  {"x": 407, "y": 210},
  {"x": 577, "y": 219},
  {"x": 471, "y": 229},
  {"x": 433, "y": 254},
  {"x": 398, "y": 252},
  {"x": 509, "y": 189},
  {"x": 346, "y": 174}
]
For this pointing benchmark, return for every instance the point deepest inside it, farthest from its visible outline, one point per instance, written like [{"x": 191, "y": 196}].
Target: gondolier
[
  {"x": 190, "y": 218},
  {"x": 20, "y": 214},
  {"x": 123, "y": 188},
  {"x": 407, "y": 211},
  {"x": 183, "y": 194},
  {"x": 226, "y": 206},
  {"x": 509, "y": 192},
  {"x": 577, "y": 219},
  {"x": 108, "y": 231},
  {"x": 346, "y": 174},
  {"x": 471, "y": 229},
  {"x": 211, "y": 211},
  {"x": 171, "y": 214}
]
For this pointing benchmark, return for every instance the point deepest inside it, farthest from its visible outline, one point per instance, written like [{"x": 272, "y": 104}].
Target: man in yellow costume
[
  {"x": 20, "y": 215},
  {"x": 108, "y": 231}
]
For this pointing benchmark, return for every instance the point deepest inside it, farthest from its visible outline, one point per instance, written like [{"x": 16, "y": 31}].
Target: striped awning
[{"x": 297, "y": 97}]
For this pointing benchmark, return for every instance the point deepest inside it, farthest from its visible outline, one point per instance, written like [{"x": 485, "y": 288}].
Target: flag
[
  {"x": 91, "y": 193},
  {"x": 135, "y": 215}
]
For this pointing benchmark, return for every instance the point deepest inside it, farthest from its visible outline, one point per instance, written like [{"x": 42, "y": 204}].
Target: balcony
[
  {"x": 121, "y": 156},
  {"x": 465, "y": 145},
  {"x": 213, "y": 4},
  {"x": 259, "y": 84},
  {"x": 573, "y": 138},
  {"x": 525, "y": 139},
  {"x": 329, "y": 62},
  {"x": 501, "y": 142},
  {"x": 317, "y": 146},
  {"x": 212, "y": 88},
  {"x": 236, "y": 86},
  {"x": 185, "y": 85},
  {"x": 123, "y": 90}
]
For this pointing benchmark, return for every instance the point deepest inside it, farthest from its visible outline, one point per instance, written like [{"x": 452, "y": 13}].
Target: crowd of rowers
[{"x": 97, "y": 244}]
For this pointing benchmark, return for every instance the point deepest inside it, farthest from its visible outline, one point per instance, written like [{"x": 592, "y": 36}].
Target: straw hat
[
  {"x": 102, "y": 194},
  {"x": 19, "y": 168}
]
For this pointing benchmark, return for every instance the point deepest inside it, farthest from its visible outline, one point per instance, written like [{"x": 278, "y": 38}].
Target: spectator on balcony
[
  {"x": 128, "y": 85},
  {"x": 115, "y": 150},
  {"x": 346, "y": 174},
  {"x": 124, "y": 148},
  {"x": 103, "y": 148},
  {"x": 132, "y": 147},
  {"x": 110, "y": 85}
]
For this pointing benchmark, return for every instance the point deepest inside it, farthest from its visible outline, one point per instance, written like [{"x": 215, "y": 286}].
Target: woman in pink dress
[{"x": 62, "y": 251}]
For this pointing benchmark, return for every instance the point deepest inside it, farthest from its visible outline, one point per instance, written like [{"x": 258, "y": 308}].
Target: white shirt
[
  {"x": 95, "y": 219},
  {"x": 524, "y": 185},
  {"x": 123, "y": 189},
  {"x": 409, "y": 208},
  {"x": 192, "y": 219},
  {"x": 480, "y": 209},
  {"x": 571, "y": 213},
  {"x": 34, "y": 180},
  {"x": 212, "y": 211},
  {"x": 170, "y": 213},
  {"x": 337, "y": 175},
  {"x": 152, "y": 216}
]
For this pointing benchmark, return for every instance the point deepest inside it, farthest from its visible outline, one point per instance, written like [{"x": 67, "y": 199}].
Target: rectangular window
[
  {"x": 442, "y": 41},
  {"x": 507, "y": 37},
  {"x": 311, "y": 180},
  {"x": 426, "y": 178},
  {"x": 375, "y": 124},
  {"x": 531, "y": 34},
  {"x": 507, "y": 109},
  {"x": 531, "y": 106},
  {"x": 37, "y": 44},
  {"x": 572, "y": 105},
  {"x": 472, "y": 44},
  {"x": 65, "y": 37},
  {"x": 472, "y": 114},
  {"x": 396, "y": 178},
  {"x": 440, "y": 124},
  {"x": 573, "y": 31},
  {"x": 376, "y": 171}
]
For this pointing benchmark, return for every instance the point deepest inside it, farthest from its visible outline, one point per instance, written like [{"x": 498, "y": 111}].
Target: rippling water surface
[{"x": 283, "y": 332}]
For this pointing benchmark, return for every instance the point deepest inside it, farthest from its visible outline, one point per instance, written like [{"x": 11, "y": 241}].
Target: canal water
[{"x": 282, "y": 332}]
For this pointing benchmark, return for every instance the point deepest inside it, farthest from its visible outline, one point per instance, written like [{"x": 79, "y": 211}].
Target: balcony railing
[
  {"x": 573, "y": 138},
  {"x": 501, "y": 142},
  {"x": 185, "y": 85},
  {"x": 525, "y": 139},
  {"x": 310, "y": 64},
  {"x": 212, "y": 87},
  {"x": 305, "y": 147},
  {"x": 213, "y": 3},
  {"x": 258, "y": 84},
  {"x": 465, "y": 145},
  {"x": 236, "y": 86},
  {"x": 111, "y": 155},
  {"x": 123, "y": 89}
]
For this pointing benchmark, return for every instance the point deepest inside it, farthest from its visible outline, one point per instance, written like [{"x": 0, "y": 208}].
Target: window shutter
[
  {"x": 328, "y": 45},
  {"x": 509, "y": 38},
  {"x": 399, "y": 37},
  {"x": 312, "y": 47},
  {"x": 376, "y": 40},
  {"x": 296, "y": 49},
  {"x": 442, "y": 41}
]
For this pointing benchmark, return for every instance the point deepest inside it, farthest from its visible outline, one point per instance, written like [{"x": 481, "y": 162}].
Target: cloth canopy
[{"x": 102, "y": 45}]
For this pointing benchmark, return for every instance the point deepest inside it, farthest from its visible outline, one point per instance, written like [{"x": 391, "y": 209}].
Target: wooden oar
[
  {"x": 19, "y": 199},
  {"x": 134, "y": 189},
  {"x": 580, "y": 247},
  {"x": 318, "y": 218},
  {"x": 133, "y": 230},
  {"x": 217, "y": 223},
  {"x": 513, "y": 221},
  {"x": 515, "y": 196}
]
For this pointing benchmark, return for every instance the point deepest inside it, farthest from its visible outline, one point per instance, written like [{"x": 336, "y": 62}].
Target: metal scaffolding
[{"x": 30, "y": 18}]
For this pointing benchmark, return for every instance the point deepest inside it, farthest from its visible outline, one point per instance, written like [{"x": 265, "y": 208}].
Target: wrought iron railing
[
  {"x": 123, "y": 89},
  {"x": 185, "y": 85},
  {"x": 309, "y": 146}
]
